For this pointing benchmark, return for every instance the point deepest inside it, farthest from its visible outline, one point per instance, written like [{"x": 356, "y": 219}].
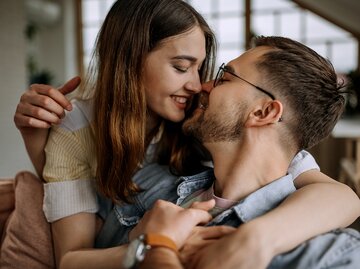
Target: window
[
  {"x": 227, "y": 18},
  {"x": 92, "y": 14}
]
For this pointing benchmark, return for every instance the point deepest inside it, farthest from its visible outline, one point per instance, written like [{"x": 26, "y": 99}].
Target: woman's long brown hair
[{"x": 130, "y": 31}]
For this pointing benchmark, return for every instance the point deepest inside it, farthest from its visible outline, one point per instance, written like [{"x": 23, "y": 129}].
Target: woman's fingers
[
  {"x": 70, "y": 85},
  {"x": 36, "y": 112},
  {"x": 43, "y": 105},
  {"x": 25, "y": 121},
  {"x": 46, "y": 97}
]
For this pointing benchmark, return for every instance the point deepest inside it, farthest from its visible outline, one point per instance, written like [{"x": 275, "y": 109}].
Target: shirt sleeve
[
  {"x": 69, "y": 172},
  {"x": 302, "y": 162}
]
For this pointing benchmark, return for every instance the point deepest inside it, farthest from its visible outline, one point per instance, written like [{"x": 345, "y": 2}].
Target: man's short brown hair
[{"x": 307, "y": 85}]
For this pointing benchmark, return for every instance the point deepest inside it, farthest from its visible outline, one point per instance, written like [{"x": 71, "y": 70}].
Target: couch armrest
[{"x": 7, "y": 201}]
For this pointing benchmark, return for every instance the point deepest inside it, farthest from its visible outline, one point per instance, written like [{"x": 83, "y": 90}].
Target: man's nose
[{"x": 208, "y": 86}]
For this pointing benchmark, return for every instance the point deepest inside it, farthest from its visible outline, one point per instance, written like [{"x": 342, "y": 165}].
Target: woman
[
  {"x": 151, "y": 57},
  {"x": 139, "y": 44}
]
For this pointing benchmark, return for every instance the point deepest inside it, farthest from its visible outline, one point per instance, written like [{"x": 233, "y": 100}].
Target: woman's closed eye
[{"x": 181, "y": 68}]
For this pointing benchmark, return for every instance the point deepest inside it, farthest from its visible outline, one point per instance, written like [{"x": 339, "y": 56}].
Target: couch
[{"x": 25, "y": 234}]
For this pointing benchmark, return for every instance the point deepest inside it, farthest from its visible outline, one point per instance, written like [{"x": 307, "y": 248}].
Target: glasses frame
[{"x": 223, "y": 69}]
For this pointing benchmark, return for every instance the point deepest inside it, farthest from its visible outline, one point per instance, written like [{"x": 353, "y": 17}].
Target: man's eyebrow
[
  {"x": 229, "y": 68},
  {"x": 185, "y": 57}
]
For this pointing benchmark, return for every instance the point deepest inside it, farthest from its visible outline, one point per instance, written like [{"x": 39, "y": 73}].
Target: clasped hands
[{"x": 200, "y": 246}]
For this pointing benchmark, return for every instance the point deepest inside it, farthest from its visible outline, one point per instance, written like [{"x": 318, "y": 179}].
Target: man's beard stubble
[{"x": 215, "y": 128}]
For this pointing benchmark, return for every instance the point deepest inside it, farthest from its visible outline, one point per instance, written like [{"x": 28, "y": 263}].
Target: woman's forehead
[{"x": 191, "y": 43}]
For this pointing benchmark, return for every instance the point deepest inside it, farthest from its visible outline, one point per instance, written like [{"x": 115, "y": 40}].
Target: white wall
[
  {"x": 57, "y": 52},
  {"x": 13, "y": 156}
]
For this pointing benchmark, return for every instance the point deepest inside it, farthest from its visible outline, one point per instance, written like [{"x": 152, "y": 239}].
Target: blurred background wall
[
  {"x": 12, "y": 83},
  {"x": 53, "y": 49}
]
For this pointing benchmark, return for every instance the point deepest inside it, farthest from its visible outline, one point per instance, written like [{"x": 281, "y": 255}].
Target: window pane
[
  {"x": 108, "y": 5},
  {"x": 263, "y": 24},
  {"x": 343, "y": 56},
  {"x": 230, "y": 5},
  {"x": 290, "y": 25},
  {"x": 89, "y": 37},
  {"x": 91, "y": 11},
  {"x": 319, "y": 28},
  {"x": 271, "y": 4},
  {"x": 226, "y": 55},
  {"x": 231, "y": 30},
  {"x": 203, "y": 7}
]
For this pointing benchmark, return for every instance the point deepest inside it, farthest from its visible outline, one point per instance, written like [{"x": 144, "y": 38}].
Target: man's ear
[{"x": 268, "y": 113}]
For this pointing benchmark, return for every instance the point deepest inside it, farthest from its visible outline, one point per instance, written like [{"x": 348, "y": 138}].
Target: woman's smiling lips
[{"x": 180, "y": 101}]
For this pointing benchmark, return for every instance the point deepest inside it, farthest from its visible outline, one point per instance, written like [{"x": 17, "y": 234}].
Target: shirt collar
[
  {"x": 260, "y": 201},
  {"x": 190, "y": 184}
]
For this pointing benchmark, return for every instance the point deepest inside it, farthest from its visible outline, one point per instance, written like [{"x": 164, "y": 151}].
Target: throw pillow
[{"x": 27, "y": 239}]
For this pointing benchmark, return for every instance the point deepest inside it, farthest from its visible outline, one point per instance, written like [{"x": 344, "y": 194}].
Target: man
[{"x": 275, "y": 100}]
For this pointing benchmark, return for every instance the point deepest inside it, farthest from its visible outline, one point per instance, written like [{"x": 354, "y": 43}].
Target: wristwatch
[{"x": 138, "y": 247}]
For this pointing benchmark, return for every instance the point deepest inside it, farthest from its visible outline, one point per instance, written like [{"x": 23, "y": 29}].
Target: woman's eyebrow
[{"x": 185, "y": 57}]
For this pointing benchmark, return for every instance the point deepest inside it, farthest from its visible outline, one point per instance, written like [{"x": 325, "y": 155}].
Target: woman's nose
[{"x": 194, "y": 85}]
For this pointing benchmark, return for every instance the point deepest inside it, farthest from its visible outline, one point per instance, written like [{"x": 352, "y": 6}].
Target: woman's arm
[
  {"x": 35, "y": 141},
  {"x": 161, "y": 258},
  {"x": 173, "y": 222},
  {"x": 40, "y": 107},
  {"x": 319, "y": 205},
  {"x": 74, "y": 237}
]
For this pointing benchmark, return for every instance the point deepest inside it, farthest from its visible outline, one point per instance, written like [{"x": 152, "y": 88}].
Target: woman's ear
[{"x": 268, "y": 113}]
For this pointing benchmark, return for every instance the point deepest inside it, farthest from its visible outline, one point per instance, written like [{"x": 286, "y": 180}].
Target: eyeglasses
[{"x": 225, "y": 69}]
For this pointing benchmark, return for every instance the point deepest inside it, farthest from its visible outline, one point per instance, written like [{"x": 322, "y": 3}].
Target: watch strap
[{"x": 159, "y": 240}]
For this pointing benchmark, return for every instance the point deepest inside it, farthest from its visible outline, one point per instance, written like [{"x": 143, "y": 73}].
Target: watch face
[{"x": 135, "y": 253}]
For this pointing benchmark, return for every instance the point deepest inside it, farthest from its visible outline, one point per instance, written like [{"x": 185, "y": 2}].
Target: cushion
[
  {"x": 27, "y": 237},
  {"x": 7, "y": 201}
]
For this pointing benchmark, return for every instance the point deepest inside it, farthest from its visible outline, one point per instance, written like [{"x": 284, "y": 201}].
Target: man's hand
[
  {"x": 42, "y": 105},
  {"x": 242, "y": 249},
  {"x": 173, "y": 221},
  {"x": 200, "y": 238}
]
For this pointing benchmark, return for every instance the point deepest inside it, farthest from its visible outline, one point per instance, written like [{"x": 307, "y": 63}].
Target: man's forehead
[{"x": 249, "y": 57}]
